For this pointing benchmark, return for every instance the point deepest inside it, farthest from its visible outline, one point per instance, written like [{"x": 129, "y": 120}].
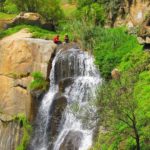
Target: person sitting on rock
[
  {"x": 56, "y": 40},
  {"x": 66, "y": 38}
]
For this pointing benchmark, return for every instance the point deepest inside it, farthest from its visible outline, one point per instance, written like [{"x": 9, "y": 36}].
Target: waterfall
[{"x": 73, "y": 82}]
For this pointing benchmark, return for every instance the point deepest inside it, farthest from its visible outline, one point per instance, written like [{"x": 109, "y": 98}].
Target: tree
[
  {"x": 91, "y": 11},
  {"x": 49, "y": 9},
  {"x": 28, "y": 5},
  {"x": 118, "y": 106},
  {"x": 2, "y": 5}
]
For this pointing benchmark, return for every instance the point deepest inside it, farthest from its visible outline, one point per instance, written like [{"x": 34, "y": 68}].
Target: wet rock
[
  {"x": 70, "y": 63},
  {"x": 63, "y": 84},
  {"x": 57, "y": 109},
  {"x": 72, "y": 141}
]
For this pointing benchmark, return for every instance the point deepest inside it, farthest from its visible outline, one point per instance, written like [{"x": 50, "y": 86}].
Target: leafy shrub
[
  {"x": 39, "y": 82},
  {"x": 93, "y": 13},
  {"x": 10, "y": 7},
  {"x": 111, "y": 45}
]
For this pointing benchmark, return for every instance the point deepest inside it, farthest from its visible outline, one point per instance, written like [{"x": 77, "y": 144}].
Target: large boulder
[
  {"x": 20, "y": 55},
  {"x": 28, "y": 18},
  {"x": 31, "y": 18}
]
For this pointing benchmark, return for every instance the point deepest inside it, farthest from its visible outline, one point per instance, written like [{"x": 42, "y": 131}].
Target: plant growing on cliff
[
  {"x": 26, "y": 128},
  {"x": 38, "y": 82}
]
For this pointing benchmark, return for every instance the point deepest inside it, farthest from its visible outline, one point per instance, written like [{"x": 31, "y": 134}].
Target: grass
[
  {"x": 5, "y": 16},
  {"x": 37, "y": 32}
]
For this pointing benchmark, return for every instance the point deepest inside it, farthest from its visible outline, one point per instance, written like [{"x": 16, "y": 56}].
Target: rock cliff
[
  {"x": 132, "y": 12},
  {"x": 20, "y": 55}
]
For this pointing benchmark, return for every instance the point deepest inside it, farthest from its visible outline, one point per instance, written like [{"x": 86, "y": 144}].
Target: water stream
[{"x": 74, "y": 77}]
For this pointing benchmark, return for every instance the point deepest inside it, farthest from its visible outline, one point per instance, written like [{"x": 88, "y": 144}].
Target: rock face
[
  {"x": 28, "y": 18},
  {"x": 132, "y": 12},
  {"x": 20, "y": 56},
  {"x": 58, "y": 107},
  {"x": 31, "y": 19},
  {"x": 144, "y": 33}
]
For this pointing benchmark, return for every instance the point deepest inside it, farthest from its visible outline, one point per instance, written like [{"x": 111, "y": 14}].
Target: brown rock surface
[
  {"x": 135, "y": 12},
  {"x": 115, "y": 74},
  {"x": 28, "y": 18},
  {"x": 20, "y": 55}
]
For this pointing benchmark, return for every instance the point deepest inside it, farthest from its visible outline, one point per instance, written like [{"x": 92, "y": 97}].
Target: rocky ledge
[{"x": 20, "y": 56}]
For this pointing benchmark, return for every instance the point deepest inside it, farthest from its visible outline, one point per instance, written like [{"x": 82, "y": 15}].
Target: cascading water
[{"x": 73, "y": 76}]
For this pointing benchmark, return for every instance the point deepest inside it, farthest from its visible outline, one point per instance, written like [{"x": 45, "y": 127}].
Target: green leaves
[
  {"x": 39, "y": 82},
  {"x": 90, "y": 11},
  {"x": 111, "y": 45},
  {"x": 125, "y": 104}
]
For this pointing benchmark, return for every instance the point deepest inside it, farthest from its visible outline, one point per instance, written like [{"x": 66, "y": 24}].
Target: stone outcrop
[
  {"x": 144, "y": 33},
  {"x": 115, "y": 74},
  {"x": 28, "y": 18},
  {"x": 31, "y": 18},
  {"x": 20, "y": 56},
  {"x": 132, "y": 12}
]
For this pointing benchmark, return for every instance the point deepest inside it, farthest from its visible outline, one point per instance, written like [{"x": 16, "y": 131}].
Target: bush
[
  {"x": 111, "y": 45},
  {"x": 10, "y": 7},
  {"x": 89, "y": 11},
  {"x": 39, "y": 82}
]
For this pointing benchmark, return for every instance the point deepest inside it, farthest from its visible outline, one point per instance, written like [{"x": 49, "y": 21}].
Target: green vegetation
[
  {"x": 124, "y": 104},
  {"x": 27, "y": 129},
  {"x": 69, "y": 10},
  {"x": 111, "y": 45},
  {"x": 38, "y": 82},
  {"x": 91, "y": 12},
  {"x": 50, "y": 9},
  {"x": 6, "y": 16},
  {"x": 37, "y": 32},
  {"x": 125, "y": 110}
]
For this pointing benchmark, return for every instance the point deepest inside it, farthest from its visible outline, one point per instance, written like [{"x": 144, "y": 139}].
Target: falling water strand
[{"x": 79, "y": 66}]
